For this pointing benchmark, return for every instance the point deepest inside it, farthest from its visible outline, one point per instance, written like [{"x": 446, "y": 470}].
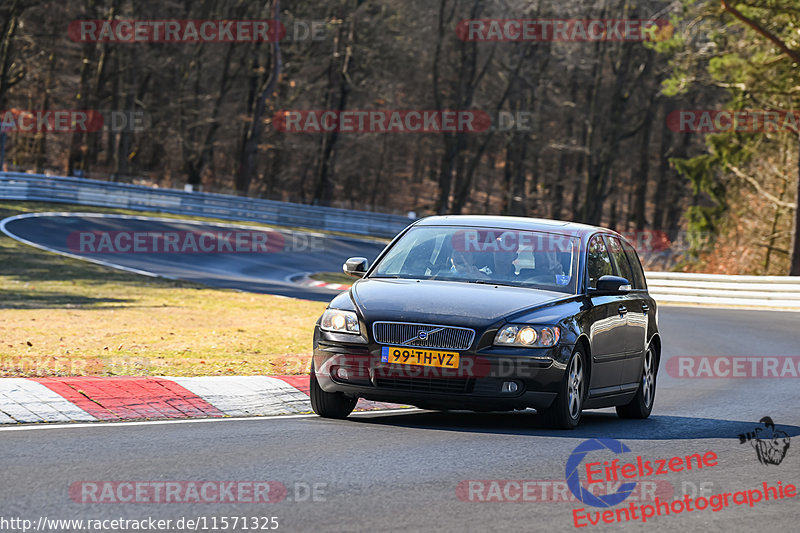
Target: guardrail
[
  {"x": 779, "y": 292},
  {"x": 666, "y": 287},
  {"x": 35, "y": 187}
]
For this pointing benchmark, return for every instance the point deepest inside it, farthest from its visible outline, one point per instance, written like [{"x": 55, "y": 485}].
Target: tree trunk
[
  {"x": 247, "y": 162},
  {"x": 450, "y": 179},
  {"x": 641, "y": 179},
  {"x": 515, "y": 174},
  {"x": 9, "y": 25},
  {"x": 76, "y": 159},
  {"x": 794, "y": 269},
  {"x": 675, "y": 195},
  {"x": 338, "y": 92},
  {"x": 662, "y": 185},
  {"x": 564, "y": 157},
  {"x": 602, "y": 157}
]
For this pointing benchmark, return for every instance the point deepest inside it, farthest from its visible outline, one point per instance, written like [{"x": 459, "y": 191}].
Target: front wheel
[
  {"x": 565, "y": 413},
  {"x": 642, "y": 404},
  {"x": 329, "y": 404}
]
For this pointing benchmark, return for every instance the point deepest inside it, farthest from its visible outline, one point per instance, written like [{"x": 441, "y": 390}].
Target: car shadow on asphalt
[{"x": 593, "y": 424}]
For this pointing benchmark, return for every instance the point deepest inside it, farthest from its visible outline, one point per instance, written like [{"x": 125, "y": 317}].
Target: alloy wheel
[
  {"x": 648, "y": 378},
  {"x": 575, "y": 386}
]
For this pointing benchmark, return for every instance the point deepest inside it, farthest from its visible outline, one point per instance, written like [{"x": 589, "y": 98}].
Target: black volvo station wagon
[{"x": 492, "y": 313}]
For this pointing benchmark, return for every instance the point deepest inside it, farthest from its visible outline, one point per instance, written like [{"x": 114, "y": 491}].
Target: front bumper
[{"x": 355, "y": 369}]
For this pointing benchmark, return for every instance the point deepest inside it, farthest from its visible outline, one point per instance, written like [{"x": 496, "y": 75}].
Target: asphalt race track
[
  {"x": 408, "y": 471},
  {"x": 400, "y": 472},
  {"x": 299, "y": 253}
]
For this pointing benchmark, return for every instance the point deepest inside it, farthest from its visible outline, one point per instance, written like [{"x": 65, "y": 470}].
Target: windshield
[{"x": 484, "y": 255}]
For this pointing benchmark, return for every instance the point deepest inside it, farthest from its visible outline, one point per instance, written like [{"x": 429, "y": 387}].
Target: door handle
[
  {"x": 645, "y": 308},
  {"x": 623, "y": 310}
]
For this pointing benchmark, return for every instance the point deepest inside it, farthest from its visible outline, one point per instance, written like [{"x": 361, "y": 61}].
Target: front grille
[
  {"x": 459, "y": 385},
  {"x": 423, "y": 335}
]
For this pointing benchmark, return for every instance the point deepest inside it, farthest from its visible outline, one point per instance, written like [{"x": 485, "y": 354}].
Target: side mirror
[
  {"x": 612, "y": 285},
  {"x": 356, "y": 267}
]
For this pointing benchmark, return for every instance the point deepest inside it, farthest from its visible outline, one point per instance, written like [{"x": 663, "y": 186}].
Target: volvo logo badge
[{"x": 421, "y": 335}]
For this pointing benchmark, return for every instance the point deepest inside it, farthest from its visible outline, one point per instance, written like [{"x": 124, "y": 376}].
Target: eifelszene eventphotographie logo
[{"x": 619, "y": 471}]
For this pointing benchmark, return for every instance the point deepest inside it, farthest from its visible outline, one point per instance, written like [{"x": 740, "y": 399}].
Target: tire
[
  {"x": 565, "y": 413},
  {"x": 329, "y": 404},
  {"x": 642, "y": 404}
]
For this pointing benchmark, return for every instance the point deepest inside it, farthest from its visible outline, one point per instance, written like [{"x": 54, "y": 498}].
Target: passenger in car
[
  {"x": 464, "y": 264},
  {"x": 503, "y": 267}
]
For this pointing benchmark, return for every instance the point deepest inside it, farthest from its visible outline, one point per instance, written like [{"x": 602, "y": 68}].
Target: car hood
[{"x": 444, "y": 302}]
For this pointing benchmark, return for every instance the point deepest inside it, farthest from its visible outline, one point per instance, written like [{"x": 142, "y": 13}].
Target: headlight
[
  {"x": 528, "y": 336},
  {"x": 339, "y": 321}
]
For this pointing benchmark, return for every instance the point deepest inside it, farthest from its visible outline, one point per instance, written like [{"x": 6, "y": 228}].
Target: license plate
[{"x": 419, "y": 357}]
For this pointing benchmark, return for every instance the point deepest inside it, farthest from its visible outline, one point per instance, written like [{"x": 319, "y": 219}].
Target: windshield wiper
[{"x": 490, "y": 282}]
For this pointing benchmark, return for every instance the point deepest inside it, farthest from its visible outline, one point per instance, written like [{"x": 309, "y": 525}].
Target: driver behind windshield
[{"x": 547, "y": 266}]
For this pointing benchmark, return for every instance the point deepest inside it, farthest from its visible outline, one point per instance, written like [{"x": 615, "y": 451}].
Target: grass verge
[{"x": 63, "y": 316}]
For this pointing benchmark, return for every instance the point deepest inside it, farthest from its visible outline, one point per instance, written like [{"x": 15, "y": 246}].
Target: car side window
[
  {"x": 638, "y": 280},
  {"x": 598, "y": 262},
  {"x": 619, "y": 259}
]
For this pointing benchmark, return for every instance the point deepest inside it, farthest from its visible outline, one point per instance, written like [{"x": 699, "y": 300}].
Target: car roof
[{"x": 513, "y": 223}]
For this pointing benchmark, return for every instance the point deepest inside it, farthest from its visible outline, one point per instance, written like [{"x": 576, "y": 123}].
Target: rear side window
[
  {"x": 619, "y": 259},
  {"x": 638, "y": 280},
  {"x": 598, "y": 263}
]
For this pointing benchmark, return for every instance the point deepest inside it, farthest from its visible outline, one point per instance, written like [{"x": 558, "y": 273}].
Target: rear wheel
[
  {"x": 329, "y": 404},
  {"x": 565, "y": 413},
  {"x": 642, "y": 404}
]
